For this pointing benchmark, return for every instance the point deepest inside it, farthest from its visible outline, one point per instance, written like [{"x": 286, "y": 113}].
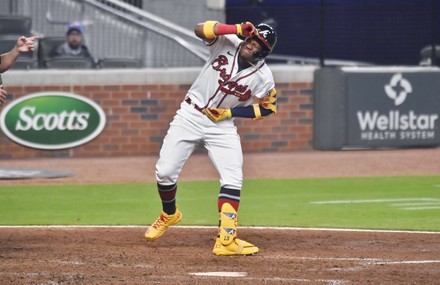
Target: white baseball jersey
[{"x": 221, "y": 85}]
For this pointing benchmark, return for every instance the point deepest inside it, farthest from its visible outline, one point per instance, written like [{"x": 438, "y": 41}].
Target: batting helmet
[{"x": 267, "y": 38}]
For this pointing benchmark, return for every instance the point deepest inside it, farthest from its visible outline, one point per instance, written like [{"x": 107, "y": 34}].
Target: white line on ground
[
  {"x": 358, "y": 259},
  {"x": 373, "y": 201},
  {"x": 302, "y": 280},
  {"x": 220, "y": 274},
  {"x": 415, "y": 204},
  {"x": 215, "y": 227},
  {"x": 422, "y": 208},
  {"x": 405, "y": 262},
  {"x": 368, "y": 261}
]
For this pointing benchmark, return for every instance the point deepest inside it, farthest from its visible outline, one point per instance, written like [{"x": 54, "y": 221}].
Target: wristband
[
  {"x": 239, "y": 30},
  {"x": 257, "y": 111},
  {"x": 208, "y": 29}
]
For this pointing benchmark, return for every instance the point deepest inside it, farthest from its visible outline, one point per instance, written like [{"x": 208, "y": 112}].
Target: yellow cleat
[
  {"x": 227, "y": 243},
  {"x": 228, "y": 224},
  {"x": 236, "y": 247},
  {"x": 158, "y": 228}
]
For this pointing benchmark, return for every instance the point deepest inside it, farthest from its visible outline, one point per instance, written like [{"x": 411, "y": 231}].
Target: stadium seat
[
  {"x": 8, "y": 42},
  {"x": 15, "y": 25},
  {"x": 120, "y": 63},
  {"x": 69, "y": 63},
  {"x": 426, "y": 56},
  {"x": 45, "y": 48},
  {"x": 25, "y": 63}
]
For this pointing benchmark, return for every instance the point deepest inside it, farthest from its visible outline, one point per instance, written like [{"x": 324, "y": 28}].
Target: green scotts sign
[{"x": 52, "y": 120}]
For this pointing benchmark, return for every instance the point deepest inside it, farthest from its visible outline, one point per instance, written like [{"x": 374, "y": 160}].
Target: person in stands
[{"x": 74, "y": 45}]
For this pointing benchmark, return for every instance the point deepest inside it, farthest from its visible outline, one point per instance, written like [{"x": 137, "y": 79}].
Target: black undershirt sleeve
[{"x": 248, "y": 112}]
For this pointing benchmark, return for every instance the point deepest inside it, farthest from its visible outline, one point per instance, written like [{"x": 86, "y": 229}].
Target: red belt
[{"x": 189, "y": 101}]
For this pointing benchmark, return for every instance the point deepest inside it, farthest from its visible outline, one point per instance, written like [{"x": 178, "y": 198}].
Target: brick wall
[{"x": 138, "y": 115}]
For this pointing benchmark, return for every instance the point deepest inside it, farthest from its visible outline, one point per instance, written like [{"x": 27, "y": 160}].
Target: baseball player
[{"x": 234, "y": 82}]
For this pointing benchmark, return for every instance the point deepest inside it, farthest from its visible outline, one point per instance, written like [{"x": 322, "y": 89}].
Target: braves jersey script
[{"x": 222, "y": 85}]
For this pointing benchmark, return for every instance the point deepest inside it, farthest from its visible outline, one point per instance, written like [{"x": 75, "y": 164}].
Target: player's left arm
[{"x": 266, "y": 106}]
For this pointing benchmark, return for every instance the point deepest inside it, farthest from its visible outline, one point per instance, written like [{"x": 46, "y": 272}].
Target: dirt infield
[
  {"x": 101, "y": 255},
  {"x": 121, "y": 256}
]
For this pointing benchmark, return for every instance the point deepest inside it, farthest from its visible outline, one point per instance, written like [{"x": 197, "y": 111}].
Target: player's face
[{"x": 249, "y": 47}]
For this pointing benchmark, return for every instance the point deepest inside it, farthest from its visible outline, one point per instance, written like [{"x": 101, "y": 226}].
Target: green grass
[{"x": 283, "y": 202}]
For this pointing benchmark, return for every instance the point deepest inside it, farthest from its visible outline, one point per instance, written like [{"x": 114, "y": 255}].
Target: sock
[
  {"x": 167, "y": 194},
  {"x": 231, "y": 196}
]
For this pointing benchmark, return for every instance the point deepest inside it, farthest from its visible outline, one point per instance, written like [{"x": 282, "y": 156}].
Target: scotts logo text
[
  {"x": 404, "y": 124},
  {"x": 52, "y": 120}
]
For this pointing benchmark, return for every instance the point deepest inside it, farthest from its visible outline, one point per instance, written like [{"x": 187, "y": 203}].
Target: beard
[{"x": 74, "y": 45}]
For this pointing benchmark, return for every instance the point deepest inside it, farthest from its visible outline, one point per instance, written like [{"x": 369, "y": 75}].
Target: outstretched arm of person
[
  {"x": 23, "y": 45},
  {"x": 209, "y": 30},
  {"x": 3, "y": 95}
]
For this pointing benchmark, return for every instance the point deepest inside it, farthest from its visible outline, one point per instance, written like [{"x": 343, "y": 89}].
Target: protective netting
[{"x": 389, "y": 32}]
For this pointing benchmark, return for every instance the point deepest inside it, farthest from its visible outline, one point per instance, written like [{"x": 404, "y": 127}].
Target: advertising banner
[
  {"x": 393, "y": 109},
  {"x": 52, "y": 120},
  {"x": 376, "y": 107}
]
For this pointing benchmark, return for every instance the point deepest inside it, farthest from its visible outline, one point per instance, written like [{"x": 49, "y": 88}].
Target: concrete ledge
[
  {"x": 390, "y": 69},
  {"x": 40, "y": 77}
]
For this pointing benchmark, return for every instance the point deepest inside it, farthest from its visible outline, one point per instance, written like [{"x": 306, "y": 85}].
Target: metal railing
[
  {"x": 116, "y": 29},
  {"x": 183, "y": 37}
]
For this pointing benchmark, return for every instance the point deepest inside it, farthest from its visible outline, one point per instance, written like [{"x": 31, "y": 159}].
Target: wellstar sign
[{"x": 397, "y": 124}]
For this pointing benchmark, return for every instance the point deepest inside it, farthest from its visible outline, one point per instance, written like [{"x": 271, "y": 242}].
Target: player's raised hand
[
  {"x": 26, "y": 44},
  {"x": 246, "y": 29},
  {"x": 217, "y": 114}
]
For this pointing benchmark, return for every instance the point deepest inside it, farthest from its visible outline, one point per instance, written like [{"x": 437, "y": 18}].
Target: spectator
[
  {"x": 8, "y": 59},
  {"x": 74, "y": 45}
]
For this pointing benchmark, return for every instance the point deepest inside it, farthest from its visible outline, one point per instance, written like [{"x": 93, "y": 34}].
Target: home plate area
[{"x": 120, "y": 255}]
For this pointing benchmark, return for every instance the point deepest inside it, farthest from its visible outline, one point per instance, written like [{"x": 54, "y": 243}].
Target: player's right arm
[
  {"x": 3, "y": 95},
  {"x": 209, "y": 30},
  {"x": 23, "y": 45}
]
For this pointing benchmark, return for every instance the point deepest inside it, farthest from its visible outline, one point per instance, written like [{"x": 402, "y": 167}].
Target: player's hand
[
  {"x": 3, "y": 95},
  {"x": 246, "y": 29},
  {"x": 26, "y": 44},
  {"x": 217, "y": 114}
]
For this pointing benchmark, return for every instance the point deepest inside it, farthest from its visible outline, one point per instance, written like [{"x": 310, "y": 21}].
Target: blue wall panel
[{"x": 387, "y": 32}]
